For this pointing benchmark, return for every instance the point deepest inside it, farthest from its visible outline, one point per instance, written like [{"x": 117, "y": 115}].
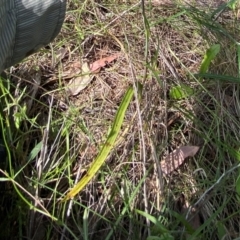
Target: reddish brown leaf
[
  {"x": 81, "y": 75},
  {"x": 94, "y": 67},
  {"x": 177, "y": 157}
]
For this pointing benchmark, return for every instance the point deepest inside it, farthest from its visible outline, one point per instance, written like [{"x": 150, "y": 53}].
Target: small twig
[
  {"x": 37, "y": 81},
  {"x": 169, "y": 65},
  {"x": 119, "y": 16},
  {"x": 159, "y": 173},
  {"x": 40, "y": 166},
  {"x": 69, "y": 209},
  {"x": 46, "y": 132},
  {"x": 143, "y": 145},
  {"x": 202, "y": 198},
  {"x": 147, "y": 35},
  {"x": 46, "y": 213},
  {"x": 53, "y": 145}
]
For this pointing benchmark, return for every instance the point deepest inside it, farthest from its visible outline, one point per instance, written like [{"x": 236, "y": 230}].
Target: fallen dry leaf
[
  {"x": 169, "y": 3},
  {"x": 177, "y": 157},
  {"x": 77, "y": 84},
  {"x": 94, "y": 67},
  {"x": 60, "y": 54},
  {"x": 72, "y": 69}
]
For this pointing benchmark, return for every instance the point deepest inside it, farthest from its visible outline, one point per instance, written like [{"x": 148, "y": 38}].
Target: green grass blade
[
  {"x": 223, "y": 78},
  {"x": 224, "y": 6},
  {"x": 107, "y": 147},
  {"x": 213, "y": 216},
  {"x": 35, "y": 151},
  {"x": 159, "y": 226},
  {"x": 208, "y": 57},
  {"x": 85, "y": 223},
  {"x": 238, "y": 59}
]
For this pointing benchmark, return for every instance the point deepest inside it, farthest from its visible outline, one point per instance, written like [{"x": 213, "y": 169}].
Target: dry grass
[{"x": 165, "y": 51}]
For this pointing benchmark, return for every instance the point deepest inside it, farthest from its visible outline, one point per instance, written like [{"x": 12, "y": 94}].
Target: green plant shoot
[
  {"x": 107, "y": 147},
  {"x": 180, "y": 92},
  {"x": 210, "y": 55}
]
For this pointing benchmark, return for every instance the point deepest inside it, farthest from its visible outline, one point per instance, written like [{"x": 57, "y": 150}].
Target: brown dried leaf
[
  {"x": 169, "y": 3},
  {"x": 60, "y": 54},
  {"x": 79, "y": 83},
  {"x": 72, "y": 69},
  {"x": 94, "y": 67},
  {"x": 177, "y": 157}
]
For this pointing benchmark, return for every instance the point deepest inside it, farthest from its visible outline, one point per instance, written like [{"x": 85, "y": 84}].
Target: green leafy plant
[
  {"x": 209, "y": 56},
  {"x": 180, "y": 92},
  {"x": 159, "y": 231}
]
